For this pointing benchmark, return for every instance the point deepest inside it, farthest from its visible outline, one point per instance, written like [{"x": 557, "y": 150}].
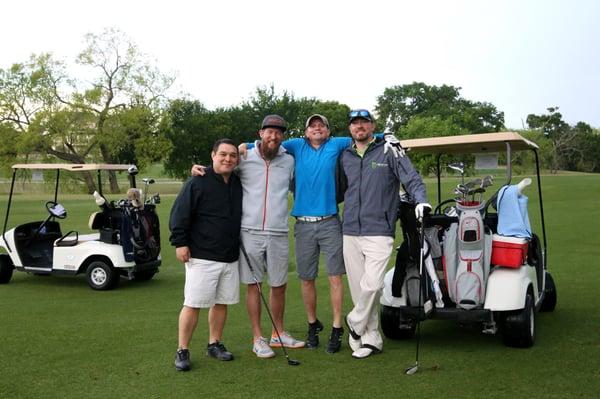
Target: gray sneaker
[
  {"x": 182, "y": 360},
  {"x": 218, "y": 351},
  {"x": 262, "y": 349}
]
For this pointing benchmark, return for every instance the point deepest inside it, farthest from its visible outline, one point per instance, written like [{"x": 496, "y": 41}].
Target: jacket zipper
[{"x": 266, "y": 193}]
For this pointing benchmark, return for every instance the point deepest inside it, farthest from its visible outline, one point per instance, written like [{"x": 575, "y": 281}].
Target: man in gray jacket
[{"x": 370, "y": 213}]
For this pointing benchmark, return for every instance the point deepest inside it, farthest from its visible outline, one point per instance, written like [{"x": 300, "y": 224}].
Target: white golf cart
[
  {"x": 127, "y": 241},
  {"x": 505, "y": 278}
]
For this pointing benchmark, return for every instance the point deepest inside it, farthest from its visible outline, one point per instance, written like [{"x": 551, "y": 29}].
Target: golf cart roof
[
  {"x": 75, "y": 167},
  {"x": 470, "y": 143}
]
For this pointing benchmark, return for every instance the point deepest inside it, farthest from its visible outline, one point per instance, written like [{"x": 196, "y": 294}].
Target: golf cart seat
[
  {"x": 97, "y": 220},
  {"x": 70, "y": 239}
]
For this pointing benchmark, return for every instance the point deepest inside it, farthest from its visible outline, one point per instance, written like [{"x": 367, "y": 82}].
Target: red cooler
[{"x": 509, "y": 251}]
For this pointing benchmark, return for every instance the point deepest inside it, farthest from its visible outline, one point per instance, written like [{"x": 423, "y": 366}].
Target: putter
[
  {"x": 413, "y": 369},
  {"x": 290, "y": 362}
]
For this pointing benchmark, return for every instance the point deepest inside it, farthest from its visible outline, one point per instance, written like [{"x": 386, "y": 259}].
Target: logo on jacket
[{"x": 375, "y": 165}]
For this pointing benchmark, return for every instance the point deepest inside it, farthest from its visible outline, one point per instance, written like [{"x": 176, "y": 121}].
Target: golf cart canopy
[
  {"x": 73, "y": 167},
  {"x": 470, "y": 143}
]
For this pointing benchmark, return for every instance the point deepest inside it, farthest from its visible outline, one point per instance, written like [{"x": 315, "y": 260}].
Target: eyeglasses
[{"x": 360, "y": 113}]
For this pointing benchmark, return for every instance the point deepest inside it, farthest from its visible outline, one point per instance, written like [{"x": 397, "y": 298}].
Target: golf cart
[
  {"x": 473, "y": 260},
  {"x": 126, "y": 241}
]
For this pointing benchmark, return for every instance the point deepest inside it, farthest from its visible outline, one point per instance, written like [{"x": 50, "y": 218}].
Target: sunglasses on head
[{"x": 359, "y": 113}]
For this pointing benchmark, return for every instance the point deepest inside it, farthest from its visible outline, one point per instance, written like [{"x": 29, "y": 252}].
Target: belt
[{"x": 313, "y": 219}]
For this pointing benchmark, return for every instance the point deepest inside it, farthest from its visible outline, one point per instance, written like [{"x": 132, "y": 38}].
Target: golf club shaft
[{"x": 258, "y": 286}]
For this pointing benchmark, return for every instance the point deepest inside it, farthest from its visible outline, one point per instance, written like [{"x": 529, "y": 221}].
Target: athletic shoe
[
  {"x": 182, "y": 360},
  {"x": 312, "y": 338},
  {"x": 286, "y": 340},
  {"x": 365, "y": 351},
  {"x": 335, "y": 340},
  {"x": 218, "y": 351},
  {"x": 262, "y": 349},
  {"x": 355, "y": 344}
]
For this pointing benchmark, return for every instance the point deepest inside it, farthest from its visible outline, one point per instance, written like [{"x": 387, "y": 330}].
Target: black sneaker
[
  {"x": 182, "y": 360},
  {"x": 218, "y": 351},
  {"x": 335, "y": 340},
  {"x": 312, "y": 337}
]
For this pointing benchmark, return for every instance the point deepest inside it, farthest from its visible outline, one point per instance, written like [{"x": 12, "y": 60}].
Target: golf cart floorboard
[{"x": 460, "y": 315}]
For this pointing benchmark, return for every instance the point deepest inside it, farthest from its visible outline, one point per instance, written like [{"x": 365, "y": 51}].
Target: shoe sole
[
  {"x": 278, "y": 345},
  {"x": 267, "y": 356},
  {"x": 351, "y": 331}
]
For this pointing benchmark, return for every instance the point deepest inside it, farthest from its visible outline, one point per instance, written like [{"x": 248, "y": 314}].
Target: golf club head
[
  {"x": 457, "y": 166},
  {"x": 412, "y": 370},
  {"x": 148, "y": 180},
  {"x": 293, "y": 362},
  {"x": 132, "y": 170}
]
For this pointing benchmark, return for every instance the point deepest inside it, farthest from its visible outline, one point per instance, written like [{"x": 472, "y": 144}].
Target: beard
[{"x": 269, "y": 152}]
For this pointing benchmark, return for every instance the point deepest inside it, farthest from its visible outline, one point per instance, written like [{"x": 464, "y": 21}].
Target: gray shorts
[
  {"x": 269, "y": 254},
  {"x": 209, "y": 282},
  {"x": 311, "y": 239}
]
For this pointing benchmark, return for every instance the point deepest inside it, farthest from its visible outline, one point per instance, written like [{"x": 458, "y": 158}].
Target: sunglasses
[{"x": 360, "y": 113}]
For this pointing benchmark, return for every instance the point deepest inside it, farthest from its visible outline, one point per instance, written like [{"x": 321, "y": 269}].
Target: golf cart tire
[
  {"x": 549, "y": 302},
  {"x": 390, "y": 324},
  {"x": 6, "y": 269},
  {"x": 101, "y": 276},
  {"x": 144, "y": 275},
  {"x": 518, "y": 330}
]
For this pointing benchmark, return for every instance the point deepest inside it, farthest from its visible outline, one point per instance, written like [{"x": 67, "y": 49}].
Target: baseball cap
[
  {"x": 360, "y": 113},
  {"x": 317, "y": 116},
  {"x": 275, "y": 121}
]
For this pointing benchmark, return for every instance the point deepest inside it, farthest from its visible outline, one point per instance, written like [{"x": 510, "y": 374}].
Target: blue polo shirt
[{"x": 315, "y": 175}]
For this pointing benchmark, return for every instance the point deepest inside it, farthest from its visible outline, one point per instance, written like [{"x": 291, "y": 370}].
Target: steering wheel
[
  {"x": 56, "y": 210},
  {"x": 438, "y": 209}
]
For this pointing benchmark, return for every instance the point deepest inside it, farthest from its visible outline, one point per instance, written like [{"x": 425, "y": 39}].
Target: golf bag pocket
[
  {"x": 412, "y": 287},
  {"x": 470, "y": 279}
]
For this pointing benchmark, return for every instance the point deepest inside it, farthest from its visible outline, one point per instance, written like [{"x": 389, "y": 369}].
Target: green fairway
[{"x": 60, "y": 339}]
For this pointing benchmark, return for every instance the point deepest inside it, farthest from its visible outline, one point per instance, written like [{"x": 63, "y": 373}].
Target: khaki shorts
[
  {"x": 269, "y": 254},
  {"x": 209, "y": 282}
]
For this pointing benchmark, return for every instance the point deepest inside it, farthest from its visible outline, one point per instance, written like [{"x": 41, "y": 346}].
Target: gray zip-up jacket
[
  {"x": 372, "y": 194},
  {"x": 265, "y": 186}
]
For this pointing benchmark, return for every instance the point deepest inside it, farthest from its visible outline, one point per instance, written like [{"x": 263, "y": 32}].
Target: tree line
[{"x": 116, "y": 110}]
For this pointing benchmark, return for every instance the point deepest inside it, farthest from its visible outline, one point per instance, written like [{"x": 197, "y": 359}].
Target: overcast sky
[{"x": 522, "y": 56}]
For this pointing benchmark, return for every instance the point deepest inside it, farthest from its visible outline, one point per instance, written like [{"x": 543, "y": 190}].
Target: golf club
[
  {"x": 290, "y": 362},
  {"x": 147, "y": 181},
  {"x": 460, "y": 167},
  {"x": 413, "y": 369}
]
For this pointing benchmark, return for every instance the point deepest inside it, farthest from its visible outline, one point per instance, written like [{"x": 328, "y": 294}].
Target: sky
[{"x": 522, "y": 56}]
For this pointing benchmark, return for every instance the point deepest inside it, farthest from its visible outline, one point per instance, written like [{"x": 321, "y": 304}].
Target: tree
[
  {"x": 568, "y": 142},
  {"x": 113, "y": 117},
  {"x": 399, "y": 104}
]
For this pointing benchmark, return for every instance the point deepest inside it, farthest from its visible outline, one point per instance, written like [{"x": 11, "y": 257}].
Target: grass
[{"x": 60, "y": 339}]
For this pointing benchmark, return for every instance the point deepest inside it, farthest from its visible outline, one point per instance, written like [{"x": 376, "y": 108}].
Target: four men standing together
[{"x": 370, "y": 212}]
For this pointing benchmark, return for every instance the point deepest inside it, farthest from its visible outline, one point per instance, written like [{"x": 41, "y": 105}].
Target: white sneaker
[
  {"x": 287, "y": 340},
  {"x": 355, "y": 344},
  {"x": 365, "y": 351},
  {"x": 262, "y": 349}
]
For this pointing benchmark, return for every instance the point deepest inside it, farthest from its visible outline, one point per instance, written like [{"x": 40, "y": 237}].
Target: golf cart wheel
[
  {"x": 390, "y": 324},
  {"x": 6, "y": 268},
  {"x": 102, "y": 276},
  {"x": 518, "y": 329},
  {"x": 549, "y": 302},
  {"x": 144, "y": 275}
]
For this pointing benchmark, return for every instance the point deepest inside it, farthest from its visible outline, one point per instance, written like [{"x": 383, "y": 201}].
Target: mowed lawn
[{"x": 60, "y": 339}]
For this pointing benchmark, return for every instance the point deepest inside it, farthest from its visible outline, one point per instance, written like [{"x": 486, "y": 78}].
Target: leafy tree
[
  {"x": 399, "y": 104},
  {"x": 112, "y": 117}
]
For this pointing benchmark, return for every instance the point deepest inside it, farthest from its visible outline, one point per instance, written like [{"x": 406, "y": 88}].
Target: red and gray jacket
[
  {"x": 266, "y": 185},
  {"x": 371, "y": 195}
]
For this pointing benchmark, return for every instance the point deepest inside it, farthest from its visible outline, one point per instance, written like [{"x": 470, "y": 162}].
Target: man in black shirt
[{"x": 205, "y": 228}]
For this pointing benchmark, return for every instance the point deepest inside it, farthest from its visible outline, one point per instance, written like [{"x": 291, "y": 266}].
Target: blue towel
[{"x": 513, "y": 219}]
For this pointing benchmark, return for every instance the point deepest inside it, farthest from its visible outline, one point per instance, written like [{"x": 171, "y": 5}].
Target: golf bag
[
  {"x": 467, "y": 255},
  {"x": 140, "y": 233}
]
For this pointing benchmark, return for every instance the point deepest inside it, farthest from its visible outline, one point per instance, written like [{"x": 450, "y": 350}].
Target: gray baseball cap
[{"x": 275, "y": 121}]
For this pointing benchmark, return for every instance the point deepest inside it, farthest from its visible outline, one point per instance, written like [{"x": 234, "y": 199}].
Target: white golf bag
[{"x": 467, "y": 255}]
